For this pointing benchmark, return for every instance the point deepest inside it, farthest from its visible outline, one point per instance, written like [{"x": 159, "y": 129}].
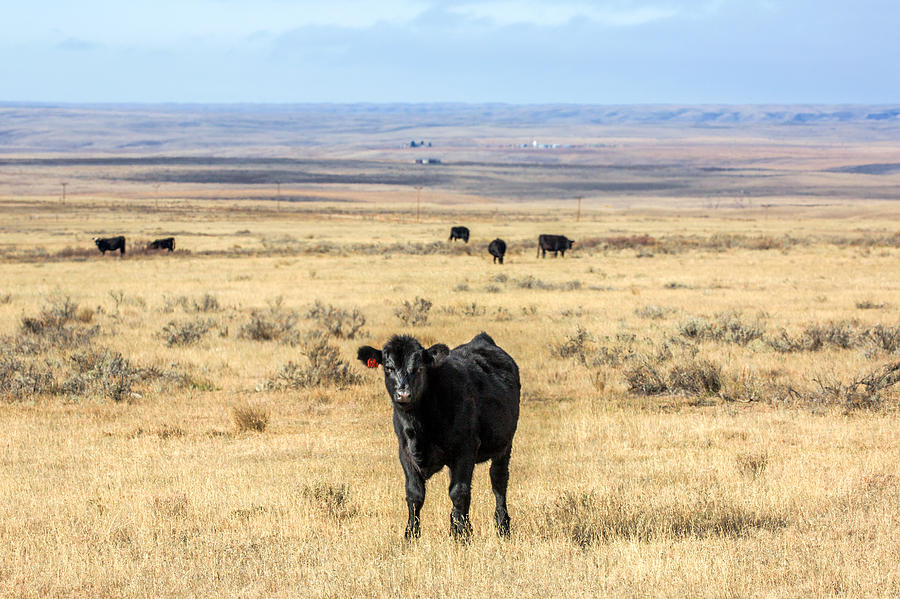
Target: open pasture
[
  {"x": 710, "y": 377},
  {"x": 195, "y": 423}
]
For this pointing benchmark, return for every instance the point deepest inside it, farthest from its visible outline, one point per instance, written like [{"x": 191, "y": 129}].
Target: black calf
[
  {"x": 110, "y": 244},
  {"x": 497, "y": 249},
  {"x": 459, "y": 233},
  {"x": 166, "y": 243},
  {"x": 451, "y": 409}
]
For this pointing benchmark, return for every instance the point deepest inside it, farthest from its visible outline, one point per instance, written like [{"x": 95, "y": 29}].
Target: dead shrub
[
  {"x": 869, "y": 305},
  {"x": 53, "y": 315},
  {"x": 186, "y": 332},
  {"x": 531, "y": 282},
  {"x": 75, "y": 253},
  {"x": 206, "y": 303},
  {"x": 694, "y": 377},
  {"x": 653, "y": 312},
  {"x": 275, "y": 323},
  {"x": 105, "y": 372},
  {"x": 250, "y": 418},
  {"x": 866, "y": 391},
  {"x": 120, "y": 299},
  {"x": 175, "y": 376},
  {"x": 587, "y": 518},
  {"x": 22, "y": 377},
  {"x": 170, "y": 431},
  {"x": 677, "y": 371},
  {"x": 472, "y": 310},
  {"x": 577, "y": 345},
  {"x": 815, "y": 337},
  {"x": 727, "y": 327},
  {"x": 84, "y": 315},
  {"x": 502, "y": 314},
  {"x": 621, "y": 242},
  {"x": 337, "y": 322},
  {"x": 839, "y": 334},
  {"x": 324, "y": 366},
  {"x": 170, "y": 303},
  {"x": 749, "y": 386},
  {"x": 752, "y": 464},
  {"x": 881, "y": 338},
  {"x": 413, "y": 313},
  {"x": 646, "y": 377},
  {"x": 175, "y": 505},
  {"x": 333, "y": 501}
]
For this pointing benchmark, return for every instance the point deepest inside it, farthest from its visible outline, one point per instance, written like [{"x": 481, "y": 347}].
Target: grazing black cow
[
  {"x": 497, "y": 249},
  {"x": 451, "y": 409},
  {"x": 554, "y": 243},
  {"x": 459, "y": 233},
  {"x": 110, "y": 244},
  {"x": 166, "y": 243}
]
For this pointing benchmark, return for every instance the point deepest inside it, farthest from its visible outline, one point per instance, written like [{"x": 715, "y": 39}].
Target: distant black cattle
[
  {"x": 110, "y": 244},
  {"x": 166, "y": 243},
  {"x": 554, "y": 243},
  {"x": 497, "y": 249},
  {"x": 454, "y": 409},
  {"x": 459, "y": 233}
]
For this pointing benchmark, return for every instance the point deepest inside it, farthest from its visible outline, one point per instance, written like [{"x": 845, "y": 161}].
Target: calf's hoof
[
  {"x": 460, "y": 527},
  {"x": 502, "y": 521}
]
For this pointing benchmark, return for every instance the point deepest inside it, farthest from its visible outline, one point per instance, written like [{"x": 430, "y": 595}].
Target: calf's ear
[{"x": 369, "y": 356}]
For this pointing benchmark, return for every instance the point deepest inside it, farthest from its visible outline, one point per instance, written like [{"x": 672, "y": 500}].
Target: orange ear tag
[{"x": 372, "y": 363}]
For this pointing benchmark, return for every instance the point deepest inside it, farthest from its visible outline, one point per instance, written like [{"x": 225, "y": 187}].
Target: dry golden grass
[{"x": 767, "y": 487}]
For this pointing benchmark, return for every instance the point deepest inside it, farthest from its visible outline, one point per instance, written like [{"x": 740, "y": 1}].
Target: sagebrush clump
[
  {"x": 323, "y": 367},
  {"x": 413, "y": 313},
  {"x": 274, "y": 323},
  {"x": 337, "y": 322}
]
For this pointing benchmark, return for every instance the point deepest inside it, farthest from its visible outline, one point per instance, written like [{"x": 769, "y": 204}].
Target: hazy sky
[{"x": 517, "y": 51}]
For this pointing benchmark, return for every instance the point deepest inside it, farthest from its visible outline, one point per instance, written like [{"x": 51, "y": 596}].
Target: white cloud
[
  {"x": 163, "y": 21},
  {"x": 514, "y": 12}
]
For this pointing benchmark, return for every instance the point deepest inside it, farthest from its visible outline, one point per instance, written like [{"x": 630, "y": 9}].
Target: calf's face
[{"x": 405, "y": 362}]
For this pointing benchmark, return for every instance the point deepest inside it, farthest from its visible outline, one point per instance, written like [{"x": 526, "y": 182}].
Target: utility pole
[
  {"x": 278, "y": 197},
  {"x": 63, "y": 192},
  {"x": 156, "y": 195},
  {"x": 418, "y": 200},
  {"x": 578, "y": 217}
]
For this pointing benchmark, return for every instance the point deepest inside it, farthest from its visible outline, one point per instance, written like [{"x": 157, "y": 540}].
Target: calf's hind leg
[
  {"x": 499, "y": 482},
  {"x": 461, "y": 497}
]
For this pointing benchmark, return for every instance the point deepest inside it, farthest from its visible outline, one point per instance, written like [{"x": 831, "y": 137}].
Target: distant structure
[
  {"x": 539, "y": 146},
  {"x": 428, "y": 160}
]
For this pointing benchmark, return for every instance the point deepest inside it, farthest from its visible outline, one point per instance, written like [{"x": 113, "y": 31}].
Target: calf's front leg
[{"x": 415, "y": 497}]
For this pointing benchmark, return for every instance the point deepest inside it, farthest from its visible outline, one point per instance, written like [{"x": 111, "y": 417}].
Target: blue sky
[{"x": 515, "y": 51}]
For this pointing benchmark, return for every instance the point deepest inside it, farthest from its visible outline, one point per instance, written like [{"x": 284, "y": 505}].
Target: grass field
[
  {"x": 690, "y": 424},
  {"x": 710, "y": 378}
]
